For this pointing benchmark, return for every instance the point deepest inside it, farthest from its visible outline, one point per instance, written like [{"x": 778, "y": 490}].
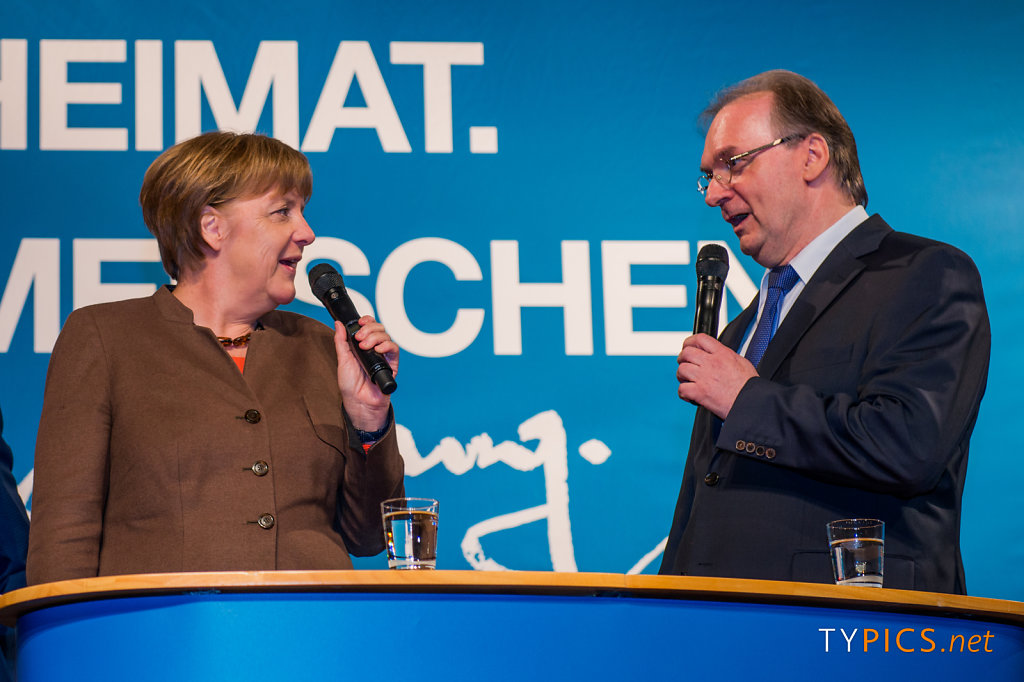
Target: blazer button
[
  {"x": 253, "y": 416},
  {"x": 260, "y": 468},
  {"x": 770, "y": 453},
  {"x": 711, "y": 479},
  {"x": 741, "y": 445},
  {"x": 751, "y": 447},
  {"x": 266, "y": 521},
  {"x": 759, "y": 451}
]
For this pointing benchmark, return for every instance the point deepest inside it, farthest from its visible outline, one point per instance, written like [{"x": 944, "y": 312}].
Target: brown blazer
[{"x": 156, "y": 454}]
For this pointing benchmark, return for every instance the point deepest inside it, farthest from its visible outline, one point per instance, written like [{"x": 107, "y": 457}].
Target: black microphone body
[
  {"x": 329, "y": 287},
  {"x": 712, "y": 267}
]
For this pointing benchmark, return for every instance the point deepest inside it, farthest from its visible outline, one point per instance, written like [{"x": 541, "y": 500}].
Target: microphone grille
[
  {"x": 323, "y": 278},
  {"x": 713, "y": 261}
]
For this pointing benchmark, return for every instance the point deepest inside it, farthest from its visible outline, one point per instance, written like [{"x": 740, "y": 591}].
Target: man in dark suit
[
  {"x": 849, "y": 387},
  {"x": 13, "y": 540}
]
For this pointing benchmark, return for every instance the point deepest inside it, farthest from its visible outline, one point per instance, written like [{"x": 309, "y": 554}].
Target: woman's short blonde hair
[{"x": 207, "y": 170}]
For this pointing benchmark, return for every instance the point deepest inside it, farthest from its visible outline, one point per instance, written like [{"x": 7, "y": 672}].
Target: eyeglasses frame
[{"x": 730, "y": 163}]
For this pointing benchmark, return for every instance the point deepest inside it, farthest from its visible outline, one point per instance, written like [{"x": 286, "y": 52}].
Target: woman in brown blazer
[{"x": 200, "y": 429}]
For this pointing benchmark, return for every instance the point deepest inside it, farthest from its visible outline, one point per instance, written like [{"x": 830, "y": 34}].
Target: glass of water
[
  {"x": 857, "y": 547},
  {"x": 410, "y": 532}
]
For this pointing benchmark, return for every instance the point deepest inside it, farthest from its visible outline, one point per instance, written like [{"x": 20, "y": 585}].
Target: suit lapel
[
  {"x": 732, "y": 335},
  {"x": 831, "y": 278}
]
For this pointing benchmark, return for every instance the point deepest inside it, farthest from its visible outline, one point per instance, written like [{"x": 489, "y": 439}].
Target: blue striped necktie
[{"x": 780, "y": 281}]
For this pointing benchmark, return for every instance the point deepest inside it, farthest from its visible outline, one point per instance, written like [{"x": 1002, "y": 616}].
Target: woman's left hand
[{"x": 366, "y": 406}]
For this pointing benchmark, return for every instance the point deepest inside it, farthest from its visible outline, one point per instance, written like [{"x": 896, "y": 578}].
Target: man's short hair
[
  {"x": 799, "y": 108},
  {"x": 207, "y": 170}
]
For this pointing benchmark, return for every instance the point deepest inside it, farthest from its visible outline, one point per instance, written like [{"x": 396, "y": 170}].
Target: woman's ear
[{"x": 212, "y": 227}]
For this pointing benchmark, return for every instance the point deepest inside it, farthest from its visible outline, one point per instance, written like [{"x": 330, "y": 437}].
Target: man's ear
[
  {"x": 818, "y": 156},
  {"x": 212, "y": 227}
]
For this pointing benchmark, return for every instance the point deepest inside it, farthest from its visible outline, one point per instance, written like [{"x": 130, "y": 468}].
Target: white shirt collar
[
  {"x": 810, "y": 258},
  {"x": 806, "y": 263}
]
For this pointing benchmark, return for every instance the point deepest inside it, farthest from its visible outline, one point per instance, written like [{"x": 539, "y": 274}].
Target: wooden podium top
[{"x": 16, "y": 603}]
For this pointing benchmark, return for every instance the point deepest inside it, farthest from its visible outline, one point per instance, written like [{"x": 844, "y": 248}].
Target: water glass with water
[
  {"x": 857, "y": 548},
  {"x": 410, "y": 532}
]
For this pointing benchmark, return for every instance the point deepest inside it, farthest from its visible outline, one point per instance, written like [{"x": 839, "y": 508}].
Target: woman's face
[{"x": 262, "y": 239}]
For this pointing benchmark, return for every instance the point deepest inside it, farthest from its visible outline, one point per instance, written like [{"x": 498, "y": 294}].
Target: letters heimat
[{"x": 197, "y": 72}]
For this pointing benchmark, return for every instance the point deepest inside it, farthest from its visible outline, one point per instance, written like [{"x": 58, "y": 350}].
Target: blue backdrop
[{"x": 511, "y": 188}]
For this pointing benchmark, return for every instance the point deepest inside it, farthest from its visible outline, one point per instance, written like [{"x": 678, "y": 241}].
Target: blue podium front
[{"x": 450, "y": 625}]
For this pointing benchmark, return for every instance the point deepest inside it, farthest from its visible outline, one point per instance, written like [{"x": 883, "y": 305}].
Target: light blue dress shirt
[{"x": 806, "y": 263}]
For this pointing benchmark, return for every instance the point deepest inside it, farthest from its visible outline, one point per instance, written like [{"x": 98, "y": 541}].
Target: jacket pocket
[{"x": 328, "y": 423}]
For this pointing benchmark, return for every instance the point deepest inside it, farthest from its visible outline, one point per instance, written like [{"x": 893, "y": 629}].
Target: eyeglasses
[{"x": 724, "y": 168}]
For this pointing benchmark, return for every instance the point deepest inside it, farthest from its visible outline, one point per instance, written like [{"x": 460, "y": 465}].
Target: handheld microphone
[
  {"x": 712, "y": 267},
  {"x": 329, "y": 287}
]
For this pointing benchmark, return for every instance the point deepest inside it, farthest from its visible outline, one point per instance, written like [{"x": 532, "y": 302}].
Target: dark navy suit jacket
[
  {"x": 864, "y": 407},
  {"x": 13, "y": 534}
]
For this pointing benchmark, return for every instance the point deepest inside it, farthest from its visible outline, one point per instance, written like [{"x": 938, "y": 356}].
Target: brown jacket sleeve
[{"x": 71, "y": 458}]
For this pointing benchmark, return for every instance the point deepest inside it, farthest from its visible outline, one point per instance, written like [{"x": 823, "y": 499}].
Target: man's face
[{"x": 763, "y": 202}]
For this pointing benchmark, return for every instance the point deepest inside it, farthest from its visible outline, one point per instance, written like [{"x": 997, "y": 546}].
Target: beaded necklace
[{"x": 237, "y": 342}]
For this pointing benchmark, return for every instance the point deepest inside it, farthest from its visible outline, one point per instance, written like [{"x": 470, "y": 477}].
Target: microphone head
[
  {"x": 713, "y": 261},
  {"x": 323, "y": 278}
]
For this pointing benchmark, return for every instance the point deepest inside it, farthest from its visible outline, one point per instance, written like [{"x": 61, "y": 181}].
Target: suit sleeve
[
  {"x": 370, "y": 478},
  {"x": 915, "y": 398},
  {"x": 72, "y": 457},
  {"x": 13, "y": 522},
  {"x": 685, "y": 501}
]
